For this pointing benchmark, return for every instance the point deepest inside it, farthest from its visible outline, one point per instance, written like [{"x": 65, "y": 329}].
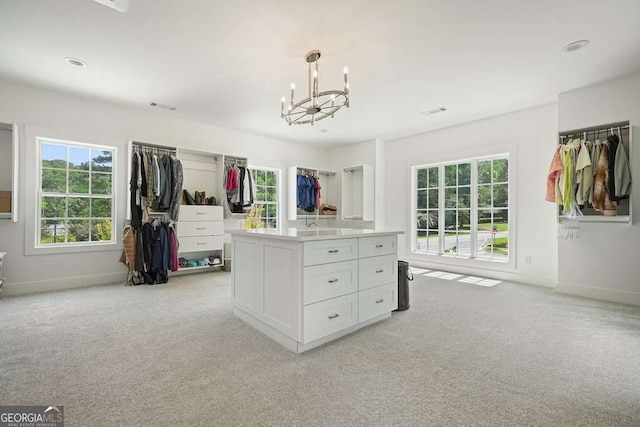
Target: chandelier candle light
[{"x": 318, "y": 105}]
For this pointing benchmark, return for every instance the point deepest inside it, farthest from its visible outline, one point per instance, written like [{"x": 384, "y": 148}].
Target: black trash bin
[{"x": 404, "y": 276}]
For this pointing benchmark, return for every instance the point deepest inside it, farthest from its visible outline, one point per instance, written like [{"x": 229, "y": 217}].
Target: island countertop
[{"x": 307, "y": 234}]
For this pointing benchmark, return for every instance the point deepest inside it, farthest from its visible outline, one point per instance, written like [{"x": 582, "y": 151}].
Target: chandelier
[{"x": 317, "y": 105}]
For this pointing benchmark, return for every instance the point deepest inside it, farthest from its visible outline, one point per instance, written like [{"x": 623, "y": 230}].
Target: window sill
[
  {"x": 72, "y": 249},
  {"x": 452, "y": 260}
]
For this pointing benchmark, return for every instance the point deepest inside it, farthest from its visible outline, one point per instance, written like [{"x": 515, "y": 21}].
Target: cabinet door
[
  {"x": 376, "y": 271},
  {"x": 333, "y": 250},
  {"x": 326, "y": 281},
  {"x": 376, "y": 301},
  {"x": 326, "y": 317}
]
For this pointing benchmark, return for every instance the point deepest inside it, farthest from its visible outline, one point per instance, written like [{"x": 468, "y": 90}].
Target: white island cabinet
[{"x": 304, "y": 288}]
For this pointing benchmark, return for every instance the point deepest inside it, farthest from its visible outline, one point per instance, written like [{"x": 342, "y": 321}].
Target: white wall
[
  {"x": 604, "y": 262},
  {"x": 116, "y": 125},
  {"x": 529, "y": 136}
]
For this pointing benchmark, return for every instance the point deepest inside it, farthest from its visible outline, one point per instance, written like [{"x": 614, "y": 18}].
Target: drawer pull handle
[
  {"x": 201, "y": 213},
  {"x": 333, "y": 280},
  {"x": 333, "y": 251},
  {"x": 200, "y": 243},
  {"x": 380, "y": 271},
  {"x": 201, "y": 228},
  {"x": 333, "y": 316},
  {"x": 378, "y": 301},
  {"x": 379, "y": 246}
]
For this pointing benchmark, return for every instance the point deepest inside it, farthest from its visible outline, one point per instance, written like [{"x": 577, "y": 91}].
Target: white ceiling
[{"x": 227, "y": 63}]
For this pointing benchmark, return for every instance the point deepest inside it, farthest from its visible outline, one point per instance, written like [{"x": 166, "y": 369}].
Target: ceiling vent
[
  {"x": 164, "y": 107},
  {"x": 434, "y": 111},
  {"x": 119, "y": 5}
]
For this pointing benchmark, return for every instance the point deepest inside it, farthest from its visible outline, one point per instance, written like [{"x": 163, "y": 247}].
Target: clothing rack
[
  {"x": 593, "y": 130},
  {"x": 235, "y": 161},
  {"x": 158, "y": 149},
  {"x": 307, "y": 172}
]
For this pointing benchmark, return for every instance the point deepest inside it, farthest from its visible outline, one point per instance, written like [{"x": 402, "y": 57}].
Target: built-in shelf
[
  {"x": 328, "y": 192},
  {"x": 357, "y": 193}
]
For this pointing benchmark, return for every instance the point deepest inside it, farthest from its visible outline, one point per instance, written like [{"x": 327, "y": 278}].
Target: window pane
[
  {"x": 101, "y": 230},
  {"x": 78, "y": 230},
  {"x": 464, "y": 174},
  {"x": 433, "y": 198},
  {"x": 464, "y": 244},
  {"x": 485, "y": 247},
  {"x": 79, "y": 207},
  {"x": 432, "y": 216},
  {"x": 52, "y": 231},
  {"x": 450, "y": 172},
  {"x": 500, "y": 170},
  {"x": 500, "y": 195},
  {"x": 271, "y": 194},
  {"x": 484, "y": 196},
  {"x": 54, "y": 181},
  {"x": 53, "y": 207},
  {"x": 434, "y": 241},
  {"x": 271, "y": 211},
  {"x": 260, "y": 177},
  {"x": 501, "y": 242},
  {"x": 261, "y": 194},
  {"x": 485, "y": 221},
  {"x": 421, "y": 241},
  {"x": 464, "y": 197},
  {"x": 451, "y": 243},
  {"x": 101, "y": 161},
  {"x": 54, "y": 156},
  {"x": 484, "y": 172},
  {"x": 450, "y": 220},
  {"x": 464, "y": 219},
  {"x": 422, "y": 199},
  {"x": 79, "y": 158},
  {"x": 422, "y": 219},
  {"x": 501, "y": 218},
  {"x": 271, "y": 179},
  {"x": 433, "y": 177},
  {"x": 100, "y": 208},
  {"x": 422, "y": 178},
  {"x": 100, "y": 183},
  {"x": 78, "y": 182},
  {"x": 450, "y": 197}
]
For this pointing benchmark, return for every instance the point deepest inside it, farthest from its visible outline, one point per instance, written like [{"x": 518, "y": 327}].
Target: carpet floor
[{"x": 508, "y": 355}]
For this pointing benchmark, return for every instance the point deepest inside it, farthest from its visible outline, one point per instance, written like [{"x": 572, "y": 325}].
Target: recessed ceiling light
[
  {"x": 163, "y": 106},
  {"x": 434, "y": 111},
  {"x": 577, "y": 45},
  {"x": 323, "y": 130},
  {"x": 75, "y": 62}
]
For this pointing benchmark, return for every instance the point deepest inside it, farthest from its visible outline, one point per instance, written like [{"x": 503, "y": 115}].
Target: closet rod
[
  {"x": 160, "y": 147},
  {"x": 595, "y": 129}
]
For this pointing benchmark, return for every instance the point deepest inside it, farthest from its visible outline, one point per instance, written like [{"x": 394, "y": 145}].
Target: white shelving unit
[
  {"x": 328, "y": 192},
  {"x": 358, "y": 193}
]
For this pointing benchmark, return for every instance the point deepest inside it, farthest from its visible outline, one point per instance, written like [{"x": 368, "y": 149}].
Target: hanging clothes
[
  {"x": 612, "y": 141},
  {"x": 176, "y": 190},
  {"x": 226, "y": 209},
  {"x": 584, "y": 171},
  {"x": 622, "y": 173},
  {"x": 552, "y": 176},
  {"x": 601, "y": 200}
]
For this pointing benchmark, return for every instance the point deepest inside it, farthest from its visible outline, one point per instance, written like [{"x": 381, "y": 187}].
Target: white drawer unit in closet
[
  {"x": 333, "y": 315},
  {"x": 376, "y": 271},
  {"x": 327, "y": 251},
  {"x": 200, "y": 228},
  {"x": 327, "y": 281},
  {"x": 378, "y": 245},
  {"x": 377, "y": 301}
]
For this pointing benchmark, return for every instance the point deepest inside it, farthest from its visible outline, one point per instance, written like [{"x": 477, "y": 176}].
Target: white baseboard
[
  {"x": 611, "y": 295},
  {"x": 21, "y": 288}
]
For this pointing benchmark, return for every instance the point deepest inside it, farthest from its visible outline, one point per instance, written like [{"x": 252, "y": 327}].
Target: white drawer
[
  {"x": 326, "y": 317},
  {"x": 377, "y": 301},
  {"x": 200, "y": 228},
  {"x": 333, "y": 250},
  {"x": 200, "y": 213},
  {"x": 377, "y": 271},
  {"x": 376, "y": 246},
  {"x": 200, "y": 243},
  {"x": 326, "y": 281}
]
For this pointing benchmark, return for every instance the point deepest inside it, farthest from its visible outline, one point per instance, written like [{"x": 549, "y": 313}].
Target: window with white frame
[
  {"x": 76, "y": 203},
  {"x": 462, "y": 209},
  {"x": 266, "y": 195}
]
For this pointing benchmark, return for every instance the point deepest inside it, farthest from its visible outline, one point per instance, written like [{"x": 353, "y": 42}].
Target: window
[
  {"x": 462, "y": 209},
  {"x": 267, "y": 195},
  {"x": 75, "y": 194}
]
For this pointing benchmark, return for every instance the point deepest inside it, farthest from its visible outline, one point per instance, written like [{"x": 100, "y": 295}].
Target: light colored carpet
[{"x": 462, "y": 355}]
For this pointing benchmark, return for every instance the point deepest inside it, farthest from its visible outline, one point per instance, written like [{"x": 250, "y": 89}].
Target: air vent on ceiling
[
  {"x": 119, "y": 5},
  {"x": 164, "y": 107},
  {"x": 434, "y": 111}
]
